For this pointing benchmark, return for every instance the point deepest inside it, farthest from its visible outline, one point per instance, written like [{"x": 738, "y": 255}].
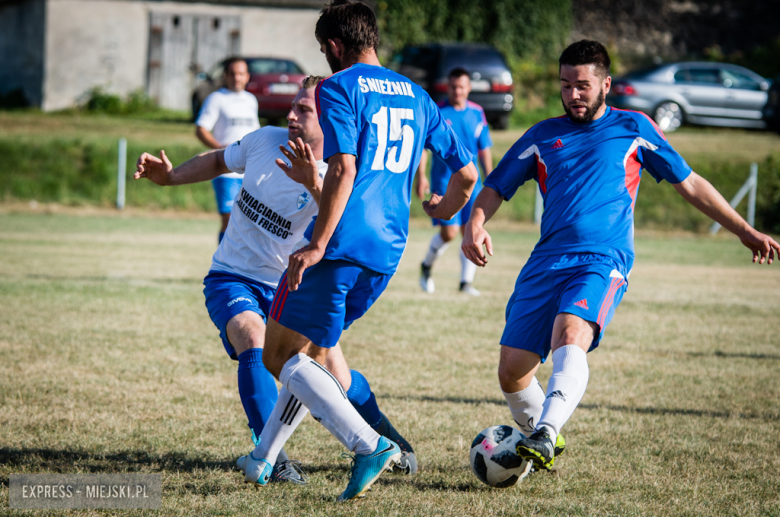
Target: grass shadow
[
  {"x": 736, "y": 355},
  {"x": 66, "y": 461},
  {"x": 646, "y": 410}
]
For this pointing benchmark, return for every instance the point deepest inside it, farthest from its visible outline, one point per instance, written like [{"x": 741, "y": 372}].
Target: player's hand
[
  {"x": 423, "y": 187},
  {"x": 156, "y": 169},
  {"x": 304, "y": 168},
  {"x": 432, "y": 207},
  {"x": 764, "y": 247},
  {"x": 474, "y": 237},
  {"x": 299, "y": 261}
]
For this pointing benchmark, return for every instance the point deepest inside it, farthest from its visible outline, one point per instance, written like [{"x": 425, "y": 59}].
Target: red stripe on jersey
[
  {"x": 541, "y": 171},
  {"x": 632, "y": 176},
  {"x": 317, "y": 98}
]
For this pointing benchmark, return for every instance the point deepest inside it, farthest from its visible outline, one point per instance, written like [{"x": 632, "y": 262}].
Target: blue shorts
[
  {"x": 228, "y": 294},
  {"x": 332, "y": 294},
  {"x": 226, "y": 190},
  {"x": 462, "y": 217},
  {"x": 587, "y": 285}
]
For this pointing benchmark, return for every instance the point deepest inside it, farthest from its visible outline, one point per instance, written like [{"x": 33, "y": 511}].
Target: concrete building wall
[
  {"x": 22, "y": 38},
  {"x": 93, "y": 43},
  {"x": 105, "y": 43}
]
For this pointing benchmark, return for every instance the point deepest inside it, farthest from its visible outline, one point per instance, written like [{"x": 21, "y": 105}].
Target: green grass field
[{"x": 109, "y": 363}]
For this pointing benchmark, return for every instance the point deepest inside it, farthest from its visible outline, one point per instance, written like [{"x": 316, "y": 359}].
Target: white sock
[
  {"x": 319, "y": 390},
  {"x": 526, "y": 406},
  {"x": 287, "y": 414},
  {"x": 565, "y": 389},
  {"x": 435, "y": 250},
  {"x": 467, "y": 269}
]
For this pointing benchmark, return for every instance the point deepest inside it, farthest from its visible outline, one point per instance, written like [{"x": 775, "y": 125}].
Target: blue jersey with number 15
[{"x": 385, "y": 120}]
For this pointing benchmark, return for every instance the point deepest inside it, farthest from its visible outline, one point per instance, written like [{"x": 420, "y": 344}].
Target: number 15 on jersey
[{"x": 393, "y": 131}]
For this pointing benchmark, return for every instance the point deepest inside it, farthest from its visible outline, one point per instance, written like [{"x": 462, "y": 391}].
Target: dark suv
[{"x": 491, "y": 81}]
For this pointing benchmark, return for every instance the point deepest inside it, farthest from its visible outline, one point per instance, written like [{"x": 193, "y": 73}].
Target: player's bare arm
[
  {"x": 206, "y": 166},
  {"x": 421, "y": 186},
  {"x": 486, "y": 160},
  {"x": 205, "y": 136},
  {"x": 336, "y": 190},
  {"x": 303, "y": 167},
  {"x": 457, "y": 195},
  {"x": 474, "y": 235},
  {"x": 700, "y": 193}
]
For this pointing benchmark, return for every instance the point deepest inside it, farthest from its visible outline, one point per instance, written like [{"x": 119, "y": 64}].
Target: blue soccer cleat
[
  {"x": 367, "y": 468},
  {"x": 258, "y": 471}
]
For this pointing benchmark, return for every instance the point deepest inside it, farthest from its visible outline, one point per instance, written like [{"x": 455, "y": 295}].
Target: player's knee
[
  {"x": 448, "y": 233},
  {"x": 510, "y": 377}
]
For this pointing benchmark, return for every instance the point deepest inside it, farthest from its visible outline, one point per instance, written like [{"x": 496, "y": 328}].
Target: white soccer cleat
[
  {"x": 426, "y": 281},
  {"x": 468, "y": 288}
]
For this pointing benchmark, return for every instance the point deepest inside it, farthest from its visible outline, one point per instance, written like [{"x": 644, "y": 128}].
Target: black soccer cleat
[
  {"x": 538, "y": 449},
  {"x": 408, "y": 462},
  {"x": 288, "y": 471}
]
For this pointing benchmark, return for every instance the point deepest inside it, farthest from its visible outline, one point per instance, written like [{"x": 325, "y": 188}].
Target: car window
[
  {"x": 682, "y": 76},
  {"x": 415, "y": 63},
  {"x": 273, "y": 66},
  {"x": 473, "y": 58},
  {"x": 734, "y": 79},
  {"x": 704, "y": 75}
]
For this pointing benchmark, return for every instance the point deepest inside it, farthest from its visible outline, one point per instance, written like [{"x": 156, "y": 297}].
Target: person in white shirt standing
[{"x": 227, "y": 115}]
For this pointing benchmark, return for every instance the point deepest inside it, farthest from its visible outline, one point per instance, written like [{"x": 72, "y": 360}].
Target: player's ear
[
  {"x": 607, "y": 84},
  {"x": 336, "y": 47}
]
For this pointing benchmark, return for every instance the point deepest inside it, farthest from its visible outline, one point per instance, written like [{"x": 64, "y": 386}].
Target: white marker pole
[
  {"x": 751, "y": 211},
  {"x": 121, "y": 175},
  {"x": 749, "y": 187}
]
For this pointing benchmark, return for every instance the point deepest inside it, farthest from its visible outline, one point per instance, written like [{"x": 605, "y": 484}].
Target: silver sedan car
[{"x": 711, "y": 94}]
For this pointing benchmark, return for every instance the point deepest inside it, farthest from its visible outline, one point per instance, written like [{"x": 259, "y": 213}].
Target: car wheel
[{"x": 669, "y": 116}]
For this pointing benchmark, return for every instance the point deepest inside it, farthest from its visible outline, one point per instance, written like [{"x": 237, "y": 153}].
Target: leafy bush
[
  {"x": 530, "y": 33},
  {"x": 137, "y": 102}
]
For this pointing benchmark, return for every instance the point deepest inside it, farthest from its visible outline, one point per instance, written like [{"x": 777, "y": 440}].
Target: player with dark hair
[
  {"x": 226, "y": 116},
  {"x": 271, "y": 212},
  {"x": 375, "y": 124},
  {"x": 588, "y": 165},
  {"x": 468, "y": 121}
]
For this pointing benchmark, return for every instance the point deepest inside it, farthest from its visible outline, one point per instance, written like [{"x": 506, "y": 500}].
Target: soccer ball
[{"x": 494, "y": 459}]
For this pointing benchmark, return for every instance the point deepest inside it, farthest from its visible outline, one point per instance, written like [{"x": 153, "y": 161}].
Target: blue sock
[
  {"x": 361, "y": 397},
  {"x": 257, "y": 389},
  {"x": 221, "y": 234}
]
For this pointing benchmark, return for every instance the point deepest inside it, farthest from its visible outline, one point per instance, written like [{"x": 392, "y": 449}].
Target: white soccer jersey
[
  {"x": 229, "y": 116},
  {"x": 271, "y": 211}
]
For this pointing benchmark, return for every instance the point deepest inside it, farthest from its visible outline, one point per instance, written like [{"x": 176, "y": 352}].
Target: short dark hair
[
  {"x": 231, "y": 60},
  {"x": 587, "y": 52},
  {"x": 457, "y": 72},
  {"x": 352, "y": 22}
]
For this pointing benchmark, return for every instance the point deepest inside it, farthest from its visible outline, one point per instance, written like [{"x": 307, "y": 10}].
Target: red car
[{"x": 274, "y": 82}]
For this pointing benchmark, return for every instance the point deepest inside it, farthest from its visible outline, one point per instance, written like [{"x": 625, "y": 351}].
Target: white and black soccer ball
[{"x": 494, "y": 459}]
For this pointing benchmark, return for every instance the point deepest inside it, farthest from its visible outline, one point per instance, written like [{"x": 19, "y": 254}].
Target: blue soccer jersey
[
  {"x": 471, "y": 127},
  {"x": 385, "y": 120},
  {"x": 589, "y": 176}
]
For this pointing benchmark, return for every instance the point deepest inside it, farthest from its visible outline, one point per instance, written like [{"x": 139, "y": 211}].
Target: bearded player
[
  {"x": 375, "y": 124},
  {"x": 268, "y": 220},
  {"x": 588, "y": 164}
]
